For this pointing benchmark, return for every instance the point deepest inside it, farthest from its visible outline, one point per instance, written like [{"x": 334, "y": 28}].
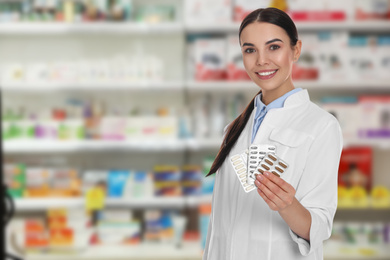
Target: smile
[{"x": 266, "y": 74}]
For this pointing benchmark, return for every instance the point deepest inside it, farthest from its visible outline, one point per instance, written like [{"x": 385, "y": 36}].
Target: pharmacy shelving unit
[
  {"x": 42, "y": 204},
  {"x": 157, "y": 251}
]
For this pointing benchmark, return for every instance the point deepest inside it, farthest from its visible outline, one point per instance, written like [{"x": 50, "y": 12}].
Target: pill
[
  {"x": 241, "y": 171},
  {"x": 242, "y": 175},
  {"x": 275, "y": 173},
  {"x": 278, "y": 169},
  {"x": 243, "y": 180},
  {"x": 253, "y": 157},
  {"x": 272, "y": 157},
  {"x": 245, "y": 184},
  {"x": 261, "y": 171},
  {"x": 250, "y": 187},
  {"x": 252, "y": 166},
  {"x": 271, "y": 148},
  {"x": 239, "y": 166},
  {"x": 235, "y": 158},
  {"x": 252, "y": 161},
  {"x": 282, "y": 164},
  {"x": 237, "y": 162},
  {"x": 268, "y": 161},
  {"x": 262, "y": 152},
  {"x": 254, "y": 152},
  {"x": 265, "y": 166}
]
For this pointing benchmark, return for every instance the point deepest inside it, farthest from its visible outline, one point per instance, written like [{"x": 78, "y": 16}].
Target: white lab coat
[{"x": 242, "y": 226}]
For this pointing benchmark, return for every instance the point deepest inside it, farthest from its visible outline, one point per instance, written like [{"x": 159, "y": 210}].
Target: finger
[
  {"x": 279, "y": 181},
  {"x": 272, "y": 196},
  {"x": 282, "y": 194},
  {"x": 267, "y": 200}
]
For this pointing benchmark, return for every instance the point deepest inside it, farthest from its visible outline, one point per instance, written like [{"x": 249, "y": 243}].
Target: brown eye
[
  {"x": 249, "y": 50},
  {"x": 274, "y": 47}
]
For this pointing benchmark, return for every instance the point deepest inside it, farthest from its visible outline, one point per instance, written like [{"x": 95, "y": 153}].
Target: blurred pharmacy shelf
[
  {"x": 369, "y": 26},
  {"x": 42, "y": 204},
  {"x": 160, "y": 145},
  {"x": 89, "y": 28},
  {"x": 94, "y": 86},
  {"x": 188, "y": 251},
  {"x": 44, "y": 146},
  {"x": 172, "y": 27},
  {"x": 311, "y": 85}
]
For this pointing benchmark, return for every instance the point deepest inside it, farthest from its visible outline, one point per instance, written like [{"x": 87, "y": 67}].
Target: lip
[{"x": 266, "y": 77}]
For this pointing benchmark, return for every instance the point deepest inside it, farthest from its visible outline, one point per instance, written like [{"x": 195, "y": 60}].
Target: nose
[{"x": 262, "y": 59}]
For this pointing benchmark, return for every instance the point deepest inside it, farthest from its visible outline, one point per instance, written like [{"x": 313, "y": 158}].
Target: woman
[{"x": 287, "y": 217}]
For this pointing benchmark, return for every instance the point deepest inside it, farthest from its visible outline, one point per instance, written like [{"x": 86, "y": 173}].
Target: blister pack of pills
[
  {"x": 272, "y": 163},
  {"x": 239, "y": 163},
  {"x": 257, "y": 152}
]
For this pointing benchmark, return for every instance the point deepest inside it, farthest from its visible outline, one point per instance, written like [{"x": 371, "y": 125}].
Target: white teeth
[{"x": 266, "y": 73}]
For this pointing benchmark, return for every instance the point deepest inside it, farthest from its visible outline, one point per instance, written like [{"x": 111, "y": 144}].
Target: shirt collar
[{"x": 277, "y": 103}]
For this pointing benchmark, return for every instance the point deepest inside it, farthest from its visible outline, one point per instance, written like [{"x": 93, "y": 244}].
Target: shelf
[
  {"x": 172, "y": 27},
  {"x": 174, "y": 145},
  {"x": 144, "y": 251},
  {"x": 368, "y": 26},
  {"x": 94, "y": 86},
  {"x": 231, "y": 86},
  {"x": 121, "y": 28},
  {"x": 45, "y": 146},
  {"x": 41, "y": 204},
  {"x": 195, "y": 86}
]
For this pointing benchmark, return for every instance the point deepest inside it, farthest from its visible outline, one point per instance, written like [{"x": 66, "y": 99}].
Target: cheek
[
  {"x": 247, "y": 61},
  {"x": 284, "y": 60}
]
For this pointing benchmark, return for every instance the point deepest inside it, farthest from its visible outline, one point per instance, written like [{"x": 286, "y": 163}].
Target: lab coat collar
[{"x": 297, "y": 99}]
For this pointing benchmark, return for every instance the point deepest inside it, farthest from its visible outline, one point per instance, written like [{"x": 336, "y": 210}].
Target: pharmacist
[{"x": 286, "y": 217}]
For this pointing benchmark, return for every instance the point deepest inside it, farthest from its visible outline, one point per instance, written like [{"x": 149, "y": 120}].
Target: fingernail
[
  {"x": 259, "y": 177},
  {"x": 257, "y": 183},
  {"x": 266, "y": 173}
]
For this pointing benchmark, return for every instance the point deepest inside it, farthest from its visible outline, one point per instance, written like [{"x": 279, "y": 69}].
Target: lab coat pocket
[{"x": 292, "y": 147}]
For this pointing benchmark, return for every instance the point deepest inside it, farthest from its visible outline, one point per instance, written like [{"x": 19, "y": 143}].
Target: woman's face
[{"x": 268, "y": 57}]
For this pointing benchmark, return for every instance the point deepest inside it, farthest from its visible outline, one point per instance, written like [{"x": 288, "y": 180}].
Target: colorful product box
[
  {"x": 307, "y": 67},
  {"x": 355, "y": 170},
  {"x": 347, "y": 112},
  {"x": 235, "y": 65},
  {"x": 210, "y": 59},
  {"x": 375, "y": 116},
  {"x": 37, "y": 182},
  {"x": 208, "y": 12},
  {"x": 167, "y": 181},
  {"x": 374, "y": 9},
  {"x": 116, "y": 182},
  {"x": 15, "y": 179}
]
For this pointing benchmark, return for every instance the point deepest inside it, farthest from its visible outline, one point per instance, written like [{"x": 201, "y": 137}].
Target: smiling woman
[{"x": 291, "y": 214}]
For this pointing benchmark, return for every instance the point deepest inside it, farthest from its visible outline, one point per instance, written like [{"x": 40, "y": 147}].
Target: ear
[{"x": 297, "y": 50}]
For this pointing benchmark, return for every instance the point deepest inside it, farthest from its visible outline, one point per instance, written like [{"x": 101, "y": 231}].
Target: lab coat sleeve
[{"x": 317, "y": 190}]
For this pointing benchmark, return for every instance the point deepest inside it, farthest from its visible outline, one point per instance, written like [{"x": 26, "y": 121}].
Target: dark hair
[{"x": 268, "y": 15}]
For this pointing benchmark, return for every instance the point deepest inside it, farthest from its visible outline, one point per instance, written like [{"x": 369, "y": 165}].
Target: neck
[{"x": 270, "y": 95}]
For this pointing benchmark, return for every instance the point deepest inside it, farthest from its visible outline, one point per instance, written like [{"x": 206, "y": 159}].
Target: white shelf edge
[
  {"x": 310, "y": 85},
  {"x": 15, "y": 28},
  {"x": 89, "y": 28},
  {"x": 195, "y": 86},
  {"x": 19, "y": 146},
  {"x": 39, "y": 204},
  {"x": 86, "y": 145},
  {"x": 188, "y": 251},
  {"x": 233, "y": 27},
  {"x": 93, "y": 86}
]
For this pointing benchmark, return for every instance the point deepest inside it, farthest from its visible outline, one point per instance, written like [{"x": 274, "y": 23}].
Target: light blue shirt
[{"x": 262, "y": 109}]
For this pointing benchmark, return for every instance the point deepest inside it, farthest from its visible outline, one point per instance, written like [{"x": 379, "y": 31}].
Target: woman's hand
[{"x": 277, "y": 193}]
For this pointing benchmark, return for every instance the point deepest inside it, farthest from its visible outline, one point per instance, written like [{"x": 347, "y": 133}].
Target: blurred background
[{"x": 113, "y": 111}]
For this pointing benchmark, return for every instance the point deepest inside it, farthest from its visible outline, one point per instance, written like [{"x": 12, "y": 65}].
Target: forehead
[{"x": 261, "y": 32}]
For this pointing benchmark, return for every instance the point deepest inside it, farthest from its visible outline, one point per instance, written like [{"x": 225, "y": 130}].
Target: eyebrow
[{"x": 268, "y": 42}]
